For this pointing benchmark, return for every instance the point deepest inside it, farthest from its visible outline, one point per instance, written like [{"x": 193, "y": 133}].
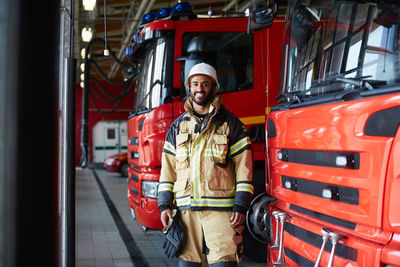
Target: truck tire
[
  {"x": 123, "y": 170},
  {"x": 257, "y": 234}
]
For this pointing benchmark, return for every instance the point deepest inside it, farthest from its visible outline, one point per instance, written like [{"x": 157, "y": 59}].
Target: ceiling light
[
  {"x": 83, "y": 52},
  {"x": 87, "y": 34},
  {"x": 82, "y": 77},
  {"x": 82, "y": 84},
  {"x": 83, "y": 67},
  {"x": 89, "y": 5}
]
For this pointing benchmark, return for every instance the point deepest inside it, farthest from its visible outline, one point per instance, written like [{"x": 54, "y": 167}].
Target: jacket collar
[{"x": 214, "y": 107}]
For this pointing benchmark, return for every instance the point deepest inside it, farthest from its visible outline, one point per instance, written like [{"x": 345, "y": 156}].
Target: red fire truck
[
  {"x": 162, "y": 54},
  {"x": 333, "y": 139}
]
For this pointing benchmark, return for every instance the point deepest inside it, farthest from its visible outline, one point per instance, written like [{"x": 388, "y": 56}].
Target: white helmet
[{"x": 203, "y": 68}]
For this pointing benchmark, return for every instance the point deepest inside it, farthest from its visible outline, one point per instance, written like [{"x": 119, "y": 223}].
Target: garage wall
[{"x": 121, "y": 113}]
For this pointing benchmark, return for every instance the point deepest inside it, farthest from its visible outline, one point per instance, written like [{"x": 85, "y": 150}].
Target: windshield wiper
[
  {"x": 361, "y": 82},
  {"x": 294, "y": 97},
  {"x": 142, "y": 107},
  {"x": 337, "y": 82},
  {"x": 289, "y": 97},
  {"x": 333, "y": 83}
]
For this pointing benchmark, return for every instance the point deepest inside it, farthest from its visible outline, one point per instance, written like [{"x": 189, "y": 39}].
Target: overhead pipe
[
  {"x": 131, "y": 9},
  {"x": 230, "y": 5},
  {"x": 143, "y": 9},
  {"x": 248, "y": 4}
]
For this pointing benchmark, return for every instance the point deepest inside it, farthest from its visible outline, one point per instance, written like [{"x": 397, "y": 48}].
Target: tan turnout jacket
[{"x": 206, "y": 165}]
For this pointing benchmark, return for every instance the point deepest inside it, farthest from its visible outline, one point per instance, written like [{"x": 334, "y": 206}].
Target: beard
[{"x": 204, "y": 100}]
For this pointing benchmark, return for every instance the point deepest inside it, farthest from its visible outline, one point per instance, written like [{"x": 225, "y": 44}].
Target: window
[
  {"x": 152, "y": 79},
  {"x": 348, "y": 41},
  {"x": 231, "y": 53},
  {"x": 110, "y": 133}
]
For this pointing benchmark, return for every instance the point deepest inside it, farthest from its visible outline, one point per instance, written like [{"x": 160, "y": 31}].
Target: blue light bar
[
  {"x": 136, "y": 38},
  {"x": 149, "y": 17},
  {"x": 163, "y": 13},
  {"x": 128, "y": 51},
  {"x": 182, "y": 7}
]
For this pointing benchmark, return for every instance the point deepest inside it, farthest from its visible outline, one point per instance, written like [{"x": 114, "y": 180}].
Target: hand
[
  {"x": 166, "y": 217},
  {"x": 237, "y": 219}
]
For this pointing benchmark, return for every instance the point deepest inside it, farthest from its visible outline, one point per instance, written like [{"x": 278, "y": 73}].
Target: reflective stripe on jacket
[{"x": 206, "y": 165}]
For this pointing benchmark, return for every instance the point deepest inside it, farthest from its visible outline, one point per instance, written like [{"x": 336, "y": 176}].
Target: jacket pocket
[
  {"x": 219, "y": 149},
  {"x": 182, "y": 151},
  {"x": 180, "y": 184},
  {"x": 221, "y": 183}
]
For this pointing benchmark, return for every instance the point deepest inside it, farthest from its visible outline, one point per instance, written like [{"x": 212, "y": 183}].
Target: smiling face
[{"x": 201, "y": 89}]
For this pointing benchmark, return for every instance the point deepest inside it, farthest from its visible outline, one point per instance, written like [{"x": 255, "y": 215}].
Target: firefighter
[{"x": 206, "y": 174}]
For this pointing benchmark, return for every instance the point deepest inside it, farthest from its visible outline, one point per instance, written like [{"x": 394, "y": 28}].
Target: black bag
[{"x": 174, "y": 238}]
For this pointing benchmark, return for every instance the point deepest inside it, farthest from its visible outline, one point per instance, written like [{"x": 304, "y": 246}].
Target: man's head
[{"x": 202, "y": 83}]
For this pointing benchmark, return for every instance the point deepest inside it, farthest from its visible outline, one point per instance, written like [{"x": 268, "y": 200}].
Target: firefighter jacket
[{"x": 206, "y": 165}]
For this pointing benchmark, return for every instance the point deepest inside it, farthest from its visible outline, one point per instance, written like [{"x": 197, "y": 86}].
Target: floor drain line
[{"x": 133, "y": 249}]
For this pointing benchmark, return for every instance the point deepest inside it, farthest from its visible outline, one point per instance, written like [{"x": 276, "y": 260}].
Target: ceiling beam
[{"x": 131, "y": 29}]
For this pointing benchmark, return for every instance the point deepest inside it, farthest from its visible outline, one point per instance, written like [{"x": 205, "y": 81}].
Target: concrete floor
[{"x": 106, "y": 235}]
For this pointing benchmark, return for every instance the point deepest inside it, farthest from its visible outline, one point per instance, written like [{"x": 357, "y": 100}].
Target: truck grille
[
  {"x": 297, "y": 258},
  {"x": 315, "y": 240},
  {"x": 134, "y": 141},
  {"x": 134, "y": 155},
  {"x": 323, "y": 217},
  {"x": 134, "y": 178},
  {"x": 321, "y": 158},
  {"x": 338, "y": 193},
  {"x": 134, "y": 191}
]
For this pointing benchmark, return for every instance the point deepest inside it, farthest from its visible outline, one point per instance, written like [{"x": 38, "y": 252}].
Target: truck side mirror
[{"x": 260, "y": 18}]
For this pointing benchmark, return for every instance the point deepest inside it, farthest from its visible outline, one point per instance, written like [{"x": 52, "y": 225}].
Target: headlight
[
  {"x": 110, "y": 161},
  {"x": 150, "y": 189}
]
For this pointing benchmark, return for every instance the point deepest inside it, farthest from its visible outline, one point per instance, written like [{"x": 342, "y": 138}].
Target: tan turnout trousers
[{"x": 213, "y": 228}]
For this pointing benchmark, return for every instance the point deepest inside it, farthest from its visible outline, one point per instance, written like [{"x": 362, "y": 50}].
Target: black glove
[{"x": 174, "y": 238}]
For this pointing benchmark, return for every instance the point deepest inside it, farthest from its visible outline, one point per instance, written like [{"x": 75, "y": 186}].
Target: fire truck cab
[
  {"x": 162, "y": 52},
  {"x": 333, "y": 139}
]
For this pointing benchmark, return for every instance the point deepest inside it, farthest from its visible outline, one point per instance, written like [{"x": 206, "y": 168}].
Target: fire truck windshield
[
  {"x": 152, "y": 65},
  {"x": 339, "y": 46},
  {"x": 231, "y": 53}
]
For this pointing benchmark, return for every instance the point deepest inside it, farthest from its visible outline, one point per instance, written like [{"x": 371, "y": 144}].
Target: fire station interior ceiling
[{"x": 122, "y": 17}]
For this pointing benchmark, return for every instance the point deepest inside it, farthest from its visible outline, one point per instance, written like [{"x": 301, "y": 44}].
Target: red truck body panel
[{"x": 247, "y": 105}]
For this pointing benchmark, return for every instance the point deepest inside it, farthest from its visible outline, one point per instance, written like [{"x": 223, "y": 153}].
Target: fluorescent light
[
  {"x": 87, "y": 34},
  {"x": 83, "y": 52},
  {"x": 89, "y": 5}
]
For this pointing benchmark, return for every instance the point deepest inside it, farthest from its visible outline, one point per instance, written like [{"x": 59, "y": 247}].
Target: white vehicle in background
[{"x": 109, "y": 138}]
